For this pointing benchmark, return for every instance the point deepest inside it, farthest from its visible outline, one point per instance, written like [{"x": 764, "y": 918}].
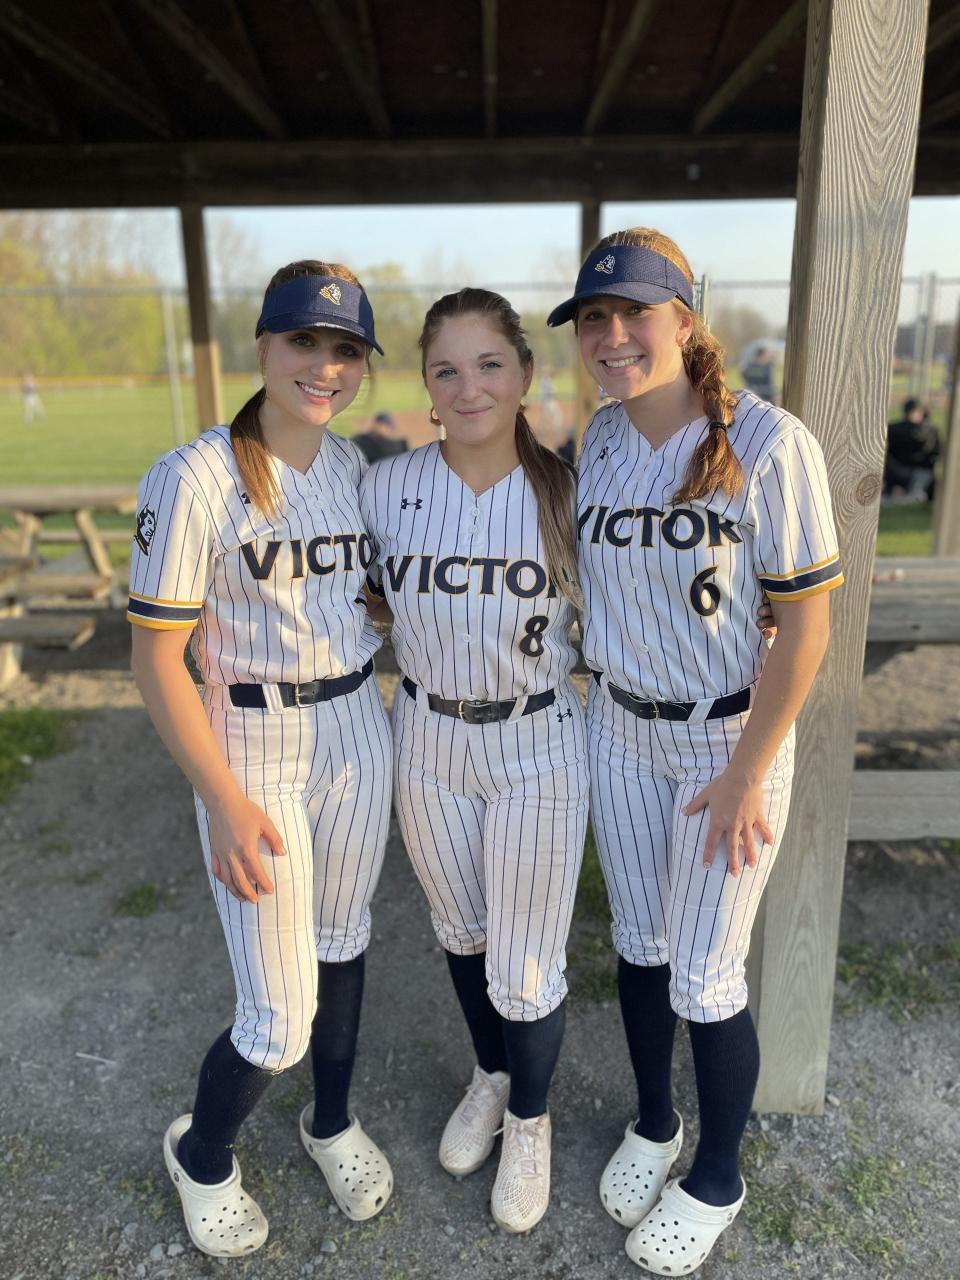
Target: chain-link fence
[{"x": 106, "y": 373}]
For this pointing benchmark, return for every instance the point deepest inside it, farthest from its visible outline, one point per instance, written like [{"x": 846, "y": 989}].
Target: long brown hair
[
  {"x": 713, "y": 464},
  {"x": 553, "y": 481},
  {"x": 246, "y": 433}
]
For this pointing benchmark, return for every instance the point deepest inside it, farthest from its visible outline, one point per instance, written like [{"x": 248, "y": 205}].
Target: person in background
[
  {"x": 759, "y": 376},
  {"x": 33, "y": 410},
  {"x": 381, "y": 440},
  {"x": 913, "y": 447}
]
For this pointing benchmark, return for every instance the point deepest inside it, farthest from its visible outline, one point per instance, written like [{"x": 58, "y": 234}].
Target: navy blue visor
[
  {"x": 626, "y": 271},
  {"x": 324, "y": 302}
]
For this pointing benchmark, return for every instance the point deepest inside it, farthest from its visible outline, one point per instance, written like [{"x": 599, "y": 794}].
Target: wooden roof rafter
[
  {"x": 28, "y": 113},
  {"x": 944, "y": 29},
  {"x": 49, "y": 47},
  {"x": 618, "y": 64},
  {"x": 181, "y": 28},
  {"x": 35, "y": 109},
  {"x": 488, "y": 18},
  {"x": 748, "y": 68},
  {"x": 943, "y": 109},
  {"x": 358, "y": 57}
]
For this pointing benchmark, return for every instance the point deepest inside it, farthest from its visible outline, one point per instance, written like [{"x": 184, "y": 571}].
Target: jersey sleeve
[
  {"x": 795, "y": 551},
  {"x": 367, "y": 496},
  {"x": 173, "y": 546}
]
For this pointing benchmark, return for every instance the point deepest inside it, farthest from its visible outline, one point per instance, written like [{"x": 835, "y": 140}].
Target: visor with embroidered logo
[
  {"x": 324, "y": 302},
  {"x": 625, "y": 271}
]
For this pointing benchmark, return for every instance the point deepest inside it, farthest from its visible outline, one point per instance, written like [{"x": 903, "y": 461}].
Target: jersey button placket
[{"x": 473, "y": 638}]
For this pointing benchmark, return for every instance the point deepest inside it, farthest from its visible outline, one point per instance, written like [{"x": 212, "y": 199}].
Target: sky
[{"x": 510, "y": 245}]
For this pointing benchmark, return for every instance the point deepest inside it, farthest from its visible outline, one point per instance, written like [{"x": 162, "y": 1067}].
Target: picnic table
[
  {"x": 31, "y": 504},
  {"x": 28, "y": 580}
]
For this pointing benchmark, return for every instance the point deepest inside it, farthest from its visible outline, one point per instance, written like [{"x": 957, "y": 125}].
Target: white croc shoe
[
  {"x": 357, "y": 1172},
  {"x": 521, "y": 1192},
  {"x": 222, "y": 1220},
  {"x": 472, "y": 1128},
  {"x": 635, "y": 1174},
  {"x": 678, "y": 1233}
]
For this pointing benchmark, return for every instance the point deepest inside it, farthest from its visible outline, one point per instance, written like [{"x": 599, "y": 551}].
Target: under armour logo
[
  {"x": 603, "y": 452},
  {"x": 245, "y": 498},
  {"x": 606, "y": 265},
  {"x": 416, "y": 503},
  {"x": 564, "y": 715}
]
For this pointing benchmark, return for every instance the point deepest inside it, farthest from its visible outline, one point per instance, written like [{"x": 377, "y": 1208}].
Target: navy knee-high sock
[
  {"x": 227, "y": 1091},
  {"x": 532, "y": 1052},
  {"x": 333, "y": 1043},
  {"x": 483, "y": 1022},
  {"x": 726, "y": 1056},
  {"x": 650, "y": 1023}
]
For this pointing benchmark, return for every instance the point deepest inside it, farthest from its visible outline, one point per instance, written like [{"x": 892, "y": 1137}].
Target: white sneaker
[
  {"x": 469, "y": 1136},
  {"x": 521, "y": 1192}
]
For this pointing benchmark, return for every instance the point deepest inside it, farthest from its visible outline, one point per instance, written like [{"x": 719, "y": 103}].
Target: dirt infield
[{"x": 115, "y": 981}]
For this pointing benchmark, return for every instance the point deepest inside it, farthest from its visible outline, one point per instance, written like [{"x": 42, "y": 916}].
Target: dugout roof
[{"x": 160, "y": 102}]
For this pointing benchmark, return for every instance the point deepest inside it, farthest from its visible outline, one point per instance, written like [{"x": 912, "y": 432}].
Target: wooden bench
[
  {"x": 59, "y": 630},
  {"x": 47, "y": 583},
  {"x": 907, "y": 804}
]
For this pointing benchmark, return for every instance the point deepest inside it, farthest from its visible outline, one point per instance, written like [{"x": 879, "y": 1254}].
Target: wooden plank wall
[{"x": 864, "y": 65}]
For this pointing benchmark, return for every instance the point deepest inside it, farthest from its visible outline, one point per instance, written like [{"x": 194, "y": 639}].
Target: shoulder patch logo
[
  {"x": 606, "y": 265},
  {"x": 146, "y": 528},
  {"x": 332, "y": 292}
]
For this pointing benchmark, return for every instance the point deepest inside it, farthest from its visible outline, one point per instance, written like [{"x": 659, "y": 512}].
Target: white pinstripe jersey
[
  {"x": 475, "y": 614},
  {"x": 271, "y": 599},
  {"x": 672, "y": 591}
]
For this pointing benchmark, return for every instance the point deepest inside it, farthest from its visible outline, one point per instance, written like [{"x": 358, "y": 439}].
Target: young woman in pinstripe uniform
[
  {"x": 476, "y": 558},
  {"x": 693, "y": 504},
  {"x": 250, "y": 541}
]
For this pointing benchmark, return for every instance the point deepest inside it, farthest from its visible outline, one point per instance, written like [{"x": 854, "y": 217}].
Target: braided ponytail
[{"x": 713, "y": 464}]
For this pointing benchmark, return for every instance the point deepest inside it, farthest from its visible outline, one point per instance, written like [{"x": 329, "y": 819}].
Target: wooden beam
[
  {"x": 48, "y": 47},
  {"x": 864, "y": 66},
  {"x": 489, "y": 40},
  {"x": 358, "y": 59},
  {"x": 235, "y": 82},
  {"x": 206, "y": 351},
  {"x": 619, "y": 64},
  {"x": 946, "y": 108},
  {"x": 747, "y": 70},
  {"x": 944, "y": 30},
  {"x": 946, "y": 509},
  {"x": 586, "y": 405},
  {"x": 890, "y": 804},
  {"x": 41, "y": 175}
]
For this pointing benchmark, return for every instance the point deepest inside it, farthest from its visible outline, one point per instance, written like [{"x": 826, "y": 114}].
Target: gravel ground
[{"x": 116, "y": 982}]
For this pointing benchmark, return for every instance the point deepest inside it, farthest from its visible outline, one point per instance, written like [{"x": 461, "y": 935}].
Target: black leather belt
[
  {"x": 730, "y": 704},
  {"x": 300, "y": 695},
  {"x": 481, "y": 712}
]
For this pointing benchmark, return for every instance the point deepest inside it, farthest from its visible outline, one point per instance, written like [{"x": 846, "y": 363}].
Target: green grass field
[{"x": 111, "y": 435}]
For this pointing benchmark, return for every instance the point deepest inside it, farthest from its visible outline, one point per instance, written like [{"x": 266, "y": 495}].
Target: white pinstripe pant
[
  {"x": 493, "y": 817},
  {"x": 667, "y": 907},
  {"x": 321, "y": 773}
]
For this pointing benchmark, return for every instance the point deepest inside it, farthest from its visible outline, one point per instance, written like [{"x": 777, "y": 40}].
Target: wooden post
[
  {"x": 206, "y": 351},
  {"x": 864, "y": 64},
  {"x": 946, "y": 510},
  {"x": 586, "y": 405}
]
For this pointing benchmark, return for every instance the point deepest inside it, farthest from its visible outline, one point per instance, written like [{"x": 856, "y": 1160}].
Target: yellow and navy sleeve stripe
[
  {"x": 801, "y": 583},
  {"x": 162, "y": 615}
]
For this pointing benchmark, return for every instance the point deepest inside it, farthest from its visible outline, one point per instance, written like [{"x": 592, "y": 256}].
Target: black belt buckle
[{"x": 480, "y": 712}]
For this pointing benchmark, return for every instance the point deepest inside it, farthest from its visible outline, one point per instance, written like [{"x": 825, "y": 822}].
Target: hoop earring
[{"x": 435, "y": 421}]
